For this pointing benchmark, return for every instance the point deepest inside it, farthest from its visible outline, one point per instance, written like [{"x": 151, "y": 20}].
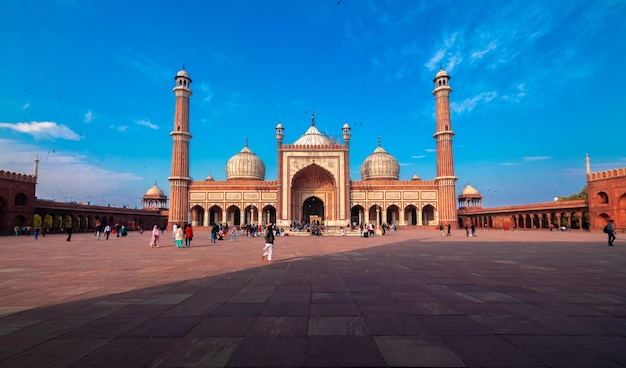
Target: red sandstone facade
[
  {"x": 607, "y": 197},
  {"x": 17, "y": 200},
  {"x": 313, "y": 180}
]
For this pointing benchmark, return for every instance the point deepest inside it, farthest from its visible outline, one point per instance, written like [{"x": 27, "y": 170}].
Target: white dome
[
  {"x": 380, "y": 165},
  {"x": 155, "y": 191},
  {"x": 469, "y": 191},
  {"x": 313, "y": 137},
  {"x": 245, "y": 165}
]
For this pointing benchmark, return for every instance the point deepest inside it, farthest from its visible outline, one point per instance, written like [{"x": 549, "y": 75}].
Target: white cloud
[
  {"x": 418, "y": 156},
  {"x": 88, "y": 116},
  {"x": 470, "y": 103},
  {"x": 43, "y": 130},
  {"x": 147, "y": 124},
  {"x": 434, "y": 62},
  {"x": 69, "y": 177},
  {"x": 480, "y": 53},
  {"x": 537, "y": 158},
  {"x": 207, "y": 93},
  {"x": 26, "y": 106}
]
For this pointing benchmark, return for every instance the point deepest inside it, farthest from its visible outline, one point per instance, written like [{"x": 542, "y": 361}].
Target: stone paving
[{"x": 409, "y": 298}]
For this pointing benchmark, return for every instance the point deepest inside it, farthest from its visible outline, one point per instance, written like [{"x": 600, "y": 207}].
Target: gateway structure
[{"x": 313, "y": 182}]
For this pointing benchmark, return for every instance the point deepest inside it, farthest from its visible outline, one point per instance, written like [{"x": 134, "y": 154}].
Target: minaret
[
  {"x": 36, "y": 167},
  {"x": 445, "y": 160},
  {"x": 180, "y": 180},
  {"x": 281, "y": 217},
  {"x": 587, "y": 164},
  {"x": 346, "y": 169}
]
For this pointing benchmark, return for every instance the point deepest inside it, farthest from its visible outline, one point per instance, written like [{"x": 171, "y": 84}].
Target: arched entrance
[
  {"x": 312, "y": 210},
  {"x": 356, "y": 215},
  {"x": 410, "y": 215},
  {"x": 313, "y": 192},
  {"x": 428, "y": 215}
]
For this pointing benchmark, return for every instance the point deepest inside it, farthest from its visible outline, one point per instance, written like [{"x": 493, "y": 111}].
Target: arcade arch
[
  {"x": 428, "y": 215},
  {"x": 269, "y": 214}
]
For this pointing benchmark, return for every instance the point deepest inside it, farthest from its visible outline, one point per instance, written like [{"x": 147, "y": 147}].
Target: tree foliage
[{"x": 583, "y": 194}]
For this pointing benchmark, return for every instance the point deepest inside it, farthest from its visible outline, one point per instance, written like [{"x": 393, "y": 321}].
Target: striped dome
[{"x": 245, "y": 165}]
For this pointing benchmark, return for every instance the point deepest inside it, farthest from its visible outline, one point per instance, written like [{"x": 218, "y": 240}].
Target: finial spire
[
  {"x": 313, "y": 118},
  {"x": 378, "y": 141},
  {"x": 246, "y": 141}
]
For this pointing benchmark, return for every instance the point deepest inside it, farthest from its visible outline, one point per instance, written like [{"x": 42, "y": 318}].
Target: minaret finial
[
  {"x": 313, "y": 118},
  {"x": 246, "y": 141},
  {"x": 378, "y": 141}
]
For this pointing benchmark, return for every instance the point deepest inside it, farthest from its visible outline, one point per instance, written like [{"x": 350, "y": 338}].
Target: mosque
[
  {"x": 313, "y": 184},
  {"x": 313, "y": 179}
]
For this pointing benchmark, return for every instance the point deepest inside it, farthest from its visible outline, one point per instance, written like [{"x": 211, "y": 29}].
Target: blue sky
[{"x": 87, "y": 86}]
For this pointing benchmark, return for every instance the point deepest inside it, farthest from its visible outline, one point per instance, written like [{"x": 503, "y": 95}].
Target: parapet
[
  {"x": 17, "y": 176},
  {"x": 607, "y": 174}
]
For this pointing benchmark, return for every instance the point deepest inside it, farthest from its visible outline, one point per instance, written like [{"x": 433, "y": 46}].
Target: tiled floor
[{"x": 410, "y": 298}]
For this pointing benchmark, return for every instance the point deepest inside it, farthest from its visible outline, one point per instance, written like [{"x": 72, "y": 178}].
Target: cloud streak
[
  {"x": 537, "y": 158},
  {"x": 147, "y": 124},
  {"x": 43, "y": 130}
]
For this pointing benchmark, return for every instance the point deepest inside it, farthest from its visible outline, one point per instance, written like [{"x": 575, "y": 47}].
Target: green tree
[{"x": 583, "y": 194}]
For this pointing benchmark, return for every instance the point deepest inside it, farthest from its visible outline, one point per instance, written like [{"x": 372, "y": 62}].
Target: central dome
[
  {"x": 313, "y": 137},
  {"x": 380, "y": 165},
  {"x": 245, "y": 165}
]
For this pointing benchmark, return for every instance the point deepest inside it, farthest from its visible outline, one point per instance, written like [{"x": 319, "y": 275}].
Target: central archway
[
  {"x": 313, "y": 192},
  {"x": 313, "y": 209}
]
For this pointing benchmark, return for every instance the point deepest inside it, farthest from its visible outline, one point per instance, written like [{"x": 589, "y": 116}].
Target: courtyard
[{"x": 409, "y": 298}]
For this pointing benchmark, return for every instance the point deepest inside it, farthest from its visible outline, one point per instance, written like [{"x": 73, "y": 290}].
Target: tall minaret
[
  {"x": 36, "y": 167},
  {"x": 445, "y": 160},
  {"x": 588, "y": 166},
  {"x": 180, "y": 180}
]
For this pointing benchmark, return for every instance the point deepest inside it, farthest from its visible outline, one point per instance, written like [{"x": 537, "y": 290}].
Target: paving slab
[{"x": 410, "y": 298}]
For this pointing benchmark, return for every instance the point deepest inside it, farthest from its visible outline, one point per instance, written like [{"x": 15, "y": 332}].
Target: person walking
[
  {"x": 233, "y": 234},
  {"x": 68, "y": 230},
  {"x": 268, "y": 250},
  {"x": 611, "y": 232},
  {"x": 178, "y": 236},
  {"x": 107, "y": 231},
  {"x": 36, "y": 233},
  {"x": 449, "y": 227},
  {"x": 473, "y": 230},
  {"x": 154, "y": 240},
  {"x": 441, "y": 230},
  {"x": 214, "y": 230},
  {"x": 98, "y": 231},
  {"x": 188, "y": 235}
]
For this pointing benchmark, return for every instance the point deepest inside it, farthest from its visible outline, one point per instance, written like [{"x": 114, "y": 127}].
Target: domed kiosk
[
  {"x": 154, "y": 199},
  {"x": 470, "y": 197}
]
